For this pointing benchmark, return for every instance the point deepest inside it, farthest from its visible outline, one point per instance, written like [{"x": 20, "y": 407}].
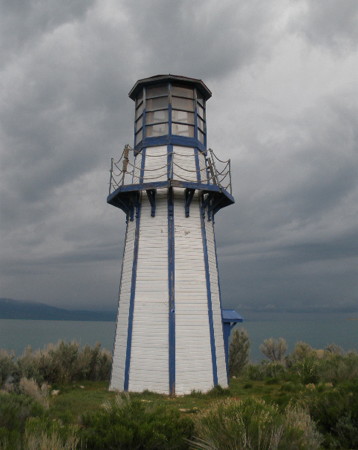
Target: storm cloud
[{"x": 283, "y": 109}]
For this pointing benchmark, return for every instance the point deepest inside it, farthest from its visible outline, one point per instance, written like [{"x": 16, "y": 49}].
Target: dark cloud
[
  {"x": 328, "y": 23},
  {"x": 205, "y": 39},
  {"x": 64, "y": 111},
  {"x": 294, "y": 232}
]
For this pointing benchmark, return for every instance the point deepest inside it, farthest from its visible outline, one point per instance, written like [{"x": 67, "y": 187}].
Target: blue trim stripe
[
  {"x": 142, "y": 166},
  {"x": 210, "y": 306},
  {"x": 132, "y": 298},
  {"x": 197, "y": 165},
  {"x": 170, "y": 139},
  {"x": 171, "y": 288}
]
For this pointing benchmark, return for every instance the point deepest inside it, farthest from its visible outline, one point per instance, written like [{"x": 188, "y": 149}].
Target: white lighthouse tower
[{"x": 169, "y": 336}]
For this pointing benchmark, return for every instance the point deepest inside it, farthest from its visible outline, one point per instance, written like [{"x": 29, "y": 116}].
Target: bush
[
  {"x": 65, "y": 362},
  {"x": 274, "y": 349},
  {"x": 15, "y": 409},
  {"x": 127, "y": 423},
  {"x": 48, "y": 434},
  {"x": 336, "y": 413},
  {"x": 238, "y": 352},
  {"x": 7, "y": 366},
  {"x": 31, "y": 388},
  {"x": 259, "y": 372},
  {"x": 252, "y": 423}
]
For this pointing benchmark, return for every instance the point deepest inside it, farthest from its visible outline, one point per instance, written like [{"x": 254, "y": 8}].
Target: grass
[
  {"x": 304, "y": 391},
  {"x": 73, "y": 399}
]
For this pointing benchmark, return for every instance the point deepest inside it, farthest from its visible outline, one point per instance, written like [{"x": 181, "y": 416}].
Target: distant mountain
[{"x": 17, "y": 309}]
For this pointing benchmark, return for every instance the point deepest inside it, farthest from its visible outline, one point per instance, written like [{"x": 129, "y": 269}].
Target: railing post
[
  {"x": 125, "y": 162},
  {"x": 110, "y": 176},
  {"x": 230, "y": 185}
]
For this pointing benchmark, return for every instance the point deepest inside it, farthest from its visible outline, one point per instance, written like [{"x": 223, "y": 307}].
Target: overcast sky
[{"x": 284, "y": 109}]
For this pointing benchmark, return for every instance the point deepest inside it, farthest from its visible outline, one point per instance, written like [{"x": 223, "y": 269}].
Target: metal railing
[{"x": 125, "y": 171}]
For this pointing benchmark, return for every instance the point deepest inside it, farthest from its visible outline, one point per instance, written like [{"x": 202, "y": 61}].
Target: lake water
[{"x": 318, "y": 332}]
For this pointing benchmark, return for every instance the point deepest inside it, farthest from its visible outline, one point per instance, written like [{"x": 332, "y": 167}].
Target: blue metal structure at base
[{"x": 230, "y": 318}]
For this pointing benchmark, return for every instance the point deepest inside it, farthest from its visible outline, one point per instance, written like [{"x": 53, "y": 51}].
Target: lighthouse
[{"x": 170, "y": 326}]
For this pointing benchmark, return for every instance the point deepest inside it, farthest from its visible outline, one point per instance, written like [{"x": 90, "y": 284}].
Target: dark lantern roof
[{"x": 158, "y": 79}]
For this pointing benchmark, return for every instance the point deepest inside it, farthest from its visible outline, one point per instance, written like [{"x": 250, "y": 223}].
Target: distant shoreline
[{"x": 21, "y": 310}]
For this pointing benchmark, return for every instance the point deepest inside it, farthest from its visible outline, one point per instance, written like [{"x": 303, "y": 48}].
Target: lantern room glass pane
[
  {"x": 182, "y": 116},
  {"x": 157, "y": 116},
  {"x": 157, "y": 103},
  {"x": 182, "y": 130},
  {"x": 201, "y": 136},
  {"x": 139, "y": 123},
  {"x": 156, "y": 130},
  {"x": 139, "y": 110},
  {"x": 201, "y": 111},
  {"x": 155, "y": 91},
  {"x": 183, "y": 91},
  {"x": 182, "y": 103},
  {"x": 201, "y": 123},
  {"x": 139, "y": 136}
]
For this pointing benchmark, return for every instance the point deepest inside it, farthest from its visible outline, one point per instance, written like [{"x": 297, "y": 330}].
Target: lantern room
[{"x": 170, "y": 110}]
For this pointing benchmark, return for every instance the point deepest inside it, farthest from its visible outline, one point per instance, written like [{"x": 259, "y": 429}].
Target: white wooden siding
[
  {"x": 120, "y": 342},
  {"x": 215, "y": 300},
  {"x": 202, "y": 166},
  {"x": 149, "y": 356},
  {"x": 193, "y": 352},
  {"x": 136, "y": 169},
  {"x": 156, "y": 164},
  {"x": 184, "y": 167}
]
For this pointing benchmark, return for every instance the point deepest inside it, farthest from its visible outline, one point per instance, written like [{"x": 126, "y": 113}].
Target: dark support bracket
[
  {"x": 189, "y": 194},
  {"x": 207, "y": 203},
  {"x": 133, "y": 202},
  {"x": 151, "y": 193}
]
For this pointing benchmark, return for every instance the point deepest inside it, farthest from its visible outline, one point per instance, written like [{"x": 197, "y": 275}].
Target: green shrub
[
  {"x": 15, "y": 409},
  {"x": 259, "y": 372},
  {"x": 336, "y": 413},
  {"x": 9, "y": 439},
  {"x": 254, "y": 424},
  {"x": 337, "y": 368},
  {"x": 7, "y": 366},
  {"x": 65, "y": 362},
  {"x": 218, "y": 391},
  {"x": 44, "y": 434},
  {"x": 308, "y": 370},
  {"x": 238, "y": 352},
  {"x": 274, "y": 349},
  {"x": 301, "y": 352},
  {"x": 127, "y": 424}
]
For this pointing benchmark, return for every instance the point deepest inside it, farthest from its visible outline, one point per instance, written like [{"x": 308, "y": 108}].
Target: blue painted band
[
  {"x": 171, "y": 288},
  {"x": 208, "y": 289},
  {"x": 142, "y": 166},
  {"x": 132, "y": 298},
  {"x": 170, "y": 140},
  {"x": 197, "y": 165}
]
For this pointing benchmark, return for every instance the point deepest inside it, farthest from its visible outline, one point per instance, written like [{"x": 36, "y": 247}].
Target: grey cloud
[
  {"x": 204, "y": 39},
  {"x": 22, "y": 23},
  {"x": 64, "y": 112},
  {"x": 329, "y": 23},
  {"x": 296, "y": 210}
]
